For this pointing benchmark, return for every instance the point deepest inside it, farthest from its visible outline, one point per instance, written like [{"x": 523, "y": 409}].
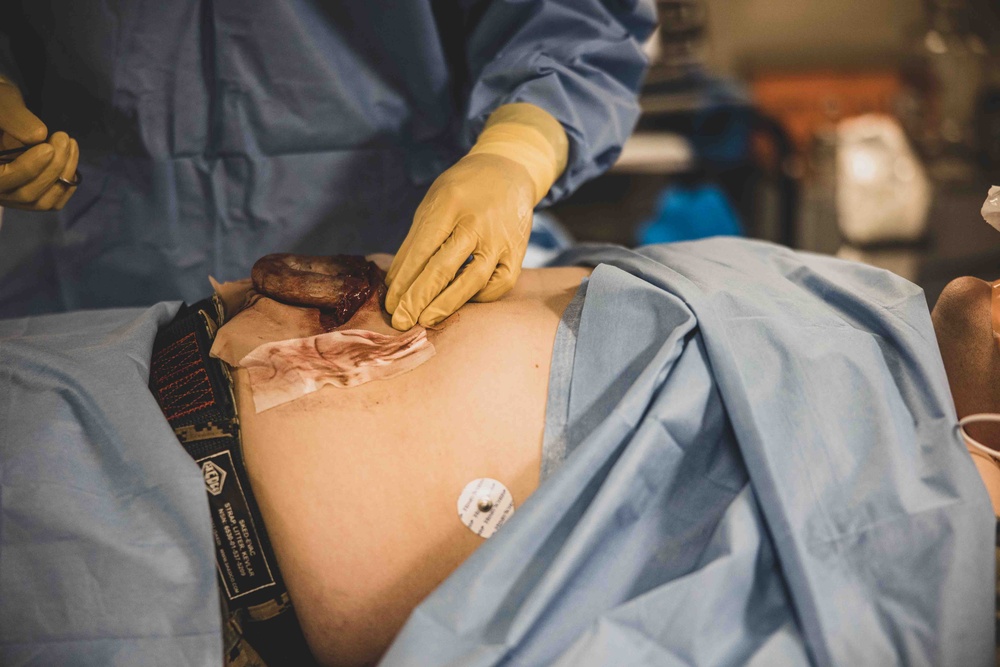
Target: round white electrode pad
[{"x": 484, "y": 506}]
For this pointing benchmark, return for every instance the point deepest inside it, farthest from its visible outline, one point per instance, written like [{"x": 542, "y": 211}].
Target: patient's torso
[{"x": 359, "y": 486}]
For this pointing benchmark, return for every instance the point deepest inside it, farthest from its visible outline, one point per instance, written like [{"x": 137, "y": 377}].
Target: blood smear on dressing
[{"x": 285, "y": 370}]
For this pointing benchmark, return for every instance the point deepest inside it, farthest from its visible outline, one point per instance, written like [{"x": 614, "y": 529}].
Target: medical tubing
[{"x": 979, "y": 418}]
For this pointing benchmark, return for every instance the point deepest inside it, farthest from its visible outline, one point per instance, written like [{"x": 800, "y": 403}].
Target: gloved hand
[
  {"x": 482, "y": 207},
  {"x": 29, "y": 182}
]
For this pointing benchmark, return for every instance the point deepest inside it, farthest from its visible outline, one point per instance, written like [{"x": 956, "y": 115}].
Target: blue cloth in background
[
  {"x": 689, "y": 213},
  {"x": 214, "y": 133},
  {"x": 106, "y": 551},
  {"x": 547, "y": 241},
  {"x": 714, "y": 113},
  {"x": 763, "y": 469},
  {"x": 720, "y": 136}
]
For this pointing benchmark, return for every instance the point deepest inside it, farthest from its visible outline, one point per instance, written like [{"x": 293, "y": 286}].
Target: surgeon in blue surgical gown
[{"x": 211, "y": 132}]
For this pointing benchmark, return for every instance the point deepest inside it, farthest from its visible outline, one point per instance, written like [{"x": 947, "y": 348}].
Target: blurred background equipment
[
  {"x": 864, "y": 128},
  {"x": 954, "y": 57},
  {"x": 703, "y": 160},
  {"x": 882, "y": 191}
]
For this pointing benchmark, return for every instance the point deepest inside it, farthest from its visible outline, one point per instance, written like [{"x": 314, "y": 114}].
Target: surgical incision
[{"x": 338, "y": 285}]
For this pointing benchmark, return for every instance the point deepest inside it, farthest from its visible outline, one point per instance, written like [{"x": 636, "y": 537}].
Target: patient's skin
[
  {"x": 971, "y": 355},
  {"x": 359, "y": 486}
]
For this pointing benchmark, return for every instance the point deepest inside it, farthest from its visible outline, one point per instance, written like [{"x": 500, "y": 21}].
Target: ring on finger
[{"x": 77, "y": 179}]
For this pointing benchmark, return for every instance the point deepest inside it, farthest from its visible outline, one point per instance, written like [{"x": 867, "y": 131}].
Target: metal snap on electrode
[{"x": 484, "y": 505}]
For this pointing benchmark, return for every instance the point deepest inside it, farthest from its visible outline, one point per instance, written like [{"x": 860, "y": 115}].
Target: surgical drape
[{"x": 761, "y": 468}]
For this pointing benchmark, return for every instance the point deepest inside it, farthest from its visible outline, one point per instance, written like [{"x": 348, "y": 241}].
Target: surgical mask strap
[{"x": 978, "y": 419}]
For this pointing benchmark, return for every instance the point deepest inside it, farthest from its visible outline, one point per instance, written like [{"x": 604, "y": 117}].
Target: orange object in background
[{"x": 804, "y": 102}]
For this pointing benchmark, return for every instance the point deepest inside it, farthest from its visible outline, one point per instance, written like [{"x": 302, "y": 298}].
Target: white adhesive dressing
[
  {"x": 285, "y": 370},
  {"x": 484, "y": 505},
  {"x": 991, "y": 209}
]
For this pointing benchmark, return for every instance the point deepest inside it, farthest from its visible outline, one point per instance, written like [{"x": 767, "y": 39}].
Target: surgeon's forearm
[{"x": 530, "y": 136}]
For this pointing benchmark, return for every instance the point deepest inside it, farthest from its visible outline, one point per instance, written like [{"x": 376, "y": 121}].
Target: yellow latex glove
[
  {"x": 29, "y": 182},
  {"x": 481, "y": 207}
]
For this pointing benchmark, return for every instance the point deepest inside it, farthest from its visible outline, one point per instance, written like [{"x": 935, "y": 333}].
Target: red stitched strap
[
  {"x": 181, "y": 381},
  {"x": 193, "y": 392}
]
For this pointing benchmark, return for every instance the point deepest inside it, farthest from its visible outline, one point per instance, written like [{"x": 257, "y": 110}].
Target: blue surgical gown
[{"x": 215, "y": 131}]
